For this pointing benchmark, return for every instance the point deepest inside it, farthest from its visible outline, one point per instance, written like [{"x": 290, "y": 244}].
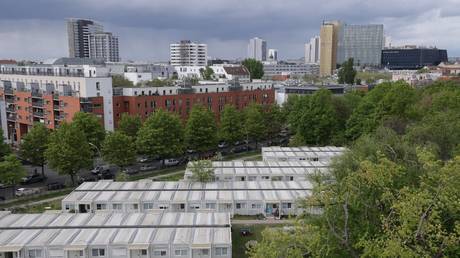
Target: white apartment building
[
  {"x": 312, "y": 50},
  {"x": 104, "y": 45},
  {"x": 257, "y": 49},
  {"x": 273, "y": 54},
  {"x": 188, "y": 53},
  {"x": 274, "y": 69}
]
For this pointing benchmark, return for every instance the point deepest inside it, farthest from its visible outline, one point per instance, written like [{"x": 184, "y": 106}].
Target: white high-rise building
[
  {"x": 257, "y": 49},
  {"x": 104, "y": 45},
  {"x": 78, "y": 32},
  {"x": 187, "y": 53},
  {"x": 312, "y": 50},
  {"x": 273, "y": 54}
]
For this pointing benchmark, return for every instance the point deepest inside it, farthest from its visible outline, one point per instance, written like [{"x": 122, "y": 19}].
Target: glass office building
[
  {"x": 363, "y": 43},
  {"x": 412, "y": 58}
]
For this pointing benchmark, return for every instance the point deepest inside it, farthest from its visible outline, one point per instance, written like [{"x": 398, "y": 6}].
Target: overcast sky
[{"x": 35, "y": 29}]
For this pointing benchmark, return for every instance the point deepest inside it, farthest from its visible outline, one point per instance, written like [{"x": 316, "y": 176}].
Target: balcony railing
[
  {"x": 43, "y": 73},
  {"x": 36, "y": 94},
  {"x": 8, "y": 91},
  {"x": 9, "y": 100},
  {"x": 11, "y": 109},
  {"x": 11, "y": 117},
  {"x": 38, "y": 104},
  {"x": 38, "y": 114}
]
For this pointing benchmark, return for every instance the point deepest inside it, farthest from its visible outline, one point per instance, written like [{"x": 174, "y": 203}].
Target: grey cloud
[{"x": 146, "y": 27}]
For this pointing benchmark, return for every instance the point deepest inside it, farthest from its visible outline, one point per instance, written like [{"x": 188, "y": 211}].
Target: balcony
[
  {"x": 8, "y": 91},
  {"x": 39, "y": 114},
  {"x": 9, "y": 100},
  {"x": 37, "y": 94},
  {"x": 11, "y": 110},
  {"x": 11, "y": 117},
  {"x": 37, "y": 104}
]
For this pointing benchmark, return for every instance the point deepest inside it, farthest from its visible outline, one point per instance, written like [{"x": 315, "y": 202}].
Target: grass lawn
[
  {"x": 39, "y": 208},
  {"x": 239, "y": 242},
  {"x": 175, "y": 177}
]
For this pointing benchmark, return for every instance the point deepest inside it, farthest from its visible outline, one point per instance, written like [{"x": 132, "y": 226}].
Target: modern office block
[{"x": 257, "y": 49}]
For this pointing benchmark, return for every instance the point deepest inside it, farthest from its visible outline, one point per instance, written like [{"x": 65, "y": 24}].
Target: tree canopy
[
  {"x": 231, "y": 128},
  {"x": 347, "y": 72},
  {"x": 202, "y": 170},
  {"x": 91, "y": 126},
  {"x": 11, "y": 171},
  {"x": 68, "y": 151},
  {"x": 120, "y": 81},
  {"x": 201, "y": 130},
  {"x": 255, "y": 68},
  {"x": 34, "y": 145},
  {"x": 119, "y": 149},
  {"x": 394, "y": 193},
  {"x": 129, "y": 124},
  {"x": 254, "y": 123},
  {"x": 161, "y": 136}
]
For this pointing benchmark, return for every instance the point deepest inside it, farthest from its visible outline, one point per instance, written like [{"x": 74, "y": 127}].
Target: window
[
  {"x": 101, "y": 206},
  {"x": 35, "y": 253},
  {"x": 180, "y": 252},
  {"x": 148, "y": 206},
  {"x": 241, "y": 205},
  {"x": 287, "y": 205},
  {"x": 134, "y": 206},
  {"x": 144, "y": 252},
  {"x": 265, "y": 177},
  {"x": 182, "y": 206},
  {"x": 256, "y": 206},
  {"x": 159, "y": 253},
  {"x": 116, "y": 206},
  {"x": 221, "y": 251},
  {"x": 210, "y": 206},
  {"x": 205, "y": 251},
  {"x": 98, "y": 252},
  {"x": 98, "y": 86}
]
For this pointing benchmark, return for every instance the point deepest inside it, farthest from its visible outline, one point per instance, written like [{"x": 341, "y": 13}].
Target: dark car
[
  {"x": 239, "y": 149},
  {"x": 31, "y": 179},
  {"x": 55, "y": 186},
  {"x": 131, "y": 170}
]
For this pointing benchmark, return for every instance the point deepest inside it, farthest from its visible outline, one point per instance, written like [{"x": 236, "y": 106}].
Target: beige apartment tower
[{"x": 328, "y": 47}]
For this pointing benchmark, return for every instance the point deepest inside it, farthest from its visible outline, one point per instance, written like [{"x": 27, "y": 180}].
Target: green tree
[
  {"x": 202, "y": 170},
  {"x": 121, "y": 177},
  {"x": 34, "y": 145},
  {"x": 129, "y": 125},
  {"x": 4, "y": 147},
  {"x": 158, "y": 83},
  {"x": 254, "y": 123},
  {"x": 91, "y": 126},
  {"x": 274, "y": 120},
  {"x": 255, "y": 68},
  {"x": 11, "y": 171},
  {"x": 318, "y": 123},
  {"x": 347, "y": 73},
  {"x": 201, "y": 130},
  {"x": 231, "y": 128},
  {"x": 161, "y": 136},
  {"x": 68, "y": 151},
  {"x": 207, "y": 73},
  {"x": 120, "y": 81},
  {"x": 119, "y": 149}
]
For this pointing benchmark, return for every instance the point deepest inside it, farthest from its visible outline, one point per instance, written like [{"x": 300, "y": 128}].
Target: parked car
[
  {"x": 55, "y": 186},
  {"x": 31, "y": 179},
  {"x": 222, "y": 145},
  {"x": 26, "y": 191},
  {"x": 100, "y": 169},
  {"x": 190, "y": 151},
  {"x": 239, "y": 149},
  {"x": 2, "y": 198},
  {"x": 131, "y": 170},
  {"x": 150, "y": 166},
  {"x": 143, "y": 159},
  {"x": 171, "y": 162}
]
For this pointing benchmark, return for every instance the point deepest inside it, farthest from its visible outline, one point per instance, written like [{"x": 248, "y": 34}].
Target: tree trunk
[
  {"x": 72, "y": 179},
  {"x": 43, "y": 170},
  {"x": 13, "y": 187}
]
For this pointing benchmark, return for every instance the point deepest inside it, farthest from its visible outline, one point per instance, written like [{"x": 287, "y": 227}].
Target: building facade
[
  {"x": 104, "y": 45},
  {"x": 188, "y": 53},
  {"x": 363, "y": 43},
  {"x": 328, "y": 47},
  {"x": 143, "y": 101},
  {"x": 412, "y": 58},
  {"x": 273, "y": 54},
  {"x": 257, "y": 49},
  {"x": 313, "y": 50},
  {"x": 276, "y": 69},
  {"x": 78, "y": 32},
  {"x": 52, "y": 94}
]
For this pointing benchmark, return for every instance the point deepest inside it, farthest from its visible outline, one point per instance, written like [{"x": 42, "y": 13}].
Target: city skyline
[{"x": 151, "y": 27}]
